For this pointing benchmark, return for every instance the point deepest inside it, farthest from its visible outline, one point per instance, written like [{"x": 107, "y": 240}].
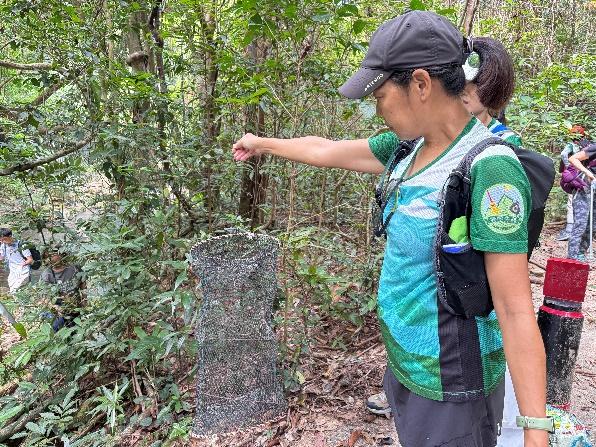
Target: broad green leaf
[
  {"x": 417, "y": 5},
  {"x": 183, "y": 276},
  {"x": 358, "y": 26},
  {"x": 347, "y": 10},
  {"x": 322, "y": 18},
  {"x": 6, "y": 415},
  {"x": 368, "y": 109},
  {"x": 20, "y": 330}
]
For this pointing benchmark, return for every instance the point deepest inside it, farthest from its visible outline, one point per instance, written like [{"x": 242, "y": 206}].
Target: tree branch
[
  {"x": 29, "y": 67},
  {"x": 5, "y": 82},
  {"x": 467, "y": 19},
  {"x": 8, "y": 114},
  {"x": 13, "y": 114},
  {"x": 45, "y": 95},
  {"x": 21, "y": 167}
]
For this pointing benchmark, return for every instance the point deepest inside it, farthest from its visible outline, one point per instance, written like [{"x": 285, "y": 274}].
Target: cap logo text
[{"x": 374, "y": 81}]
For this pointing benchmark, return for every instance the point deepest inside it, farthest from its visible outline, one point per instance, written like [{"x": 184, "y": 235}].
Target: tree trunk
[
  {"x": 467, "y": 19},
  {"x": 211, "y": 119},
  {"x": 254, "y": 182}
]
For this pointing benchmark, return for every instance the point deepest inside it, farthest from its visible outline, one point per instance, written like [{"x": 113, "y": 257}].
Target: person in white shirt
[{"x": 19, "y": 260}]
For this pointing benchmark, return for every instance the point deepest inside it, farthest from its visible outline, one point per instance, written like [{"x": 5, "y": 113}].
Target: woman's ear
[{"x": 421, "y": 84}]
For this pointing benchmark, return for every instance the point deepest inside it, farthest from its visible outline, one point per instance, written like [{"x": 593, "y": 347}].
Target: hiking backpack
[
  {"x": 572, "y": 179},
  {"x": 462, "y": 283},
  {"x": 35, "y": 254}
]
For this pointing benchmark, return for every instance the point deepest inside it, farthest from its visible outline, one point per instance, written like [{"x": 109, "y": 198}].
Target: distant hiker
[
  {"x": 19, "y": 260},
  {"x": 584, "y": 163},
  {"x": 70, "y": 284},
  {"x": 445, "y": 372},
  {"x": 573, "y": 147}
]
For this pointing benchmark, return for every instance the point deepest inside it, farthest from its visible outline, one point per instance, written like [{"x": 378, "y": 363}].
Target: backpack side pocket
[{"x": 465, "y": 290}]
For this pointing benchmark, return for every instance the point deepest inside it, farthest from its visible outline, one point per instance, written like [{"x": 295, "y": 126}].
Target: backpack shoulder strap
[
  {"x": 20, "y": 250},
  {"x": 403, "y": 149},
  {"x": 465, "y": 165},
  {"x": 460, "y": 178}
]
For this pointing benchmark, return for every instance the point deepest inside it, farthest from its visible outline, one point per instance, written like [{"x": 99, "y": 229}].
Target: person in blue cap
[{"x": 444, "y": 380}]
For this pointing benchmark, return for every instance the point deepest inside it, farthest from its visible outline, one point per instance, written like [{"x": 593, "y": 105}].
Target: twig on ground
[
  {"x": 537, "y": 265},
  {"x": 557, "y": 223},
  {"x": 367, "y": 341}
]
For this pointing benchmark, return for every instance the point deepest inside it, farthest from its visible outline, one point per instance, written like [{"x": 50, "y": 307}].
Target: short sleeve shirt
[
  {"x": 14, "y": 257},
  {"x": 427, "y": 346},
  {"x": 383, "y": 146},
  {"x": 68, "y": 280},
  {"x": 501, "y": 202},
  {"x": 508, "y": 135},
  {"x": 590, "y": 151}
]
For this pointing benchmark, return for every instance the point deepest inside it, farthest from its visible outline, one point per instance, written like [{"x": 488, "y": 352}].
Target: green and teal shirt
[
  {"x": 433, "y": 353},
  {"x": 508, "y": 135}
]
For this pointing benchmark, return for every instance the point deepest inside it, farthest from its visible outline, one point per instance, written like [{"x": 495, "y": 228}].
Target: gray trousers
[
  {"x": 579, "y": 239},
  {"x": 422, "y": 422}
]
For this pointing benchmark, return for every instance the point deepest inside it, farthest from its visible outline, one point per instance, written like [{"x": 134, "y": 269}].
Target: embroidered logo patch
[{"x": 503, "y": 208}]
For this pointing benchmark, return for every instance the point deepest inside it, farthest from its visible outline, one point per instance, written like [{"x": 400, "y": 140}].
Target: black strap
[
  {"x": 404, "y": 148},
  {"x": 460, "y": 177},
  {"x": 385, "y": 188},
  {"x": 20, "y": 251}
]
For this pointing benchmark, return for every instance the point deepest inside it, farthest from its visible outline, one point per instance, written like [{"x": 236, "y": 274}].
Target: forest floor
[{"x": 329, "y": 409}]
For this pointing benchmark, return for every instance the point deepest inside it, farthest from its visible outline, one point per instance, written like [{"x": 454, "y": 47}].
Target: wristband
[{"x": 530, "y": 423}]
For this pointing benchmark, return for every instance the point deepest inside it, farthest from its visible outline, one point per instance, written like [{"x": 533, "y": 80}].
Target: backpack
[
  {"x": 462, "y": 283},
  {"x": 571, "y": 180},
  {"x": 571, "y": 177},
  {"x": 35, "y": 254}
]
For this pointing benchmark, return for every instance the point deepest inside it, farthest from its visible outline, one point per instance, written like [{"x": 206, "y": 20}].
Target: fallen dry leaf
[{"x": 354, "y": 437}]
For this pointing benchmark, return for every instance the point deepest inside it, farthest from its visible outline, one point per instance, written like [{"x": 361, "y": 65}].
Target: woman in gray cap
[{"x": 444, "y": 379}]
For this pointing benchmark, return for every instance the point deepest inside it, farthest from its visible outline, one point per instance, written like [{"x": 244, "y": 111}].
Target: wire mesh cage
[{"x": 238, "y": 384}]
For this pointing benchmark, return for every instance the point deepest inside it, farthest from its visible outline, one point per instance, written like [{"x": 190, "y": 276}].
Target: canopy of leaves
[{"x": 116, "y": 123}]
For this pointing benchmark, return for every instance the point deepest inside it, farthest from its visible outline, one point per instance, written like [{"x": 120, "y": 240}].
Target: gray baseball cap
[{"x": 416, "y": 39}]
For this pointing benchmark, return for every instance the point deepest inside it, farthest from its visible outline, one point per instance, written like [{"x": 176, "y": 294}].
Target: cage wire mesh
[{"x": 238, "y": 385}]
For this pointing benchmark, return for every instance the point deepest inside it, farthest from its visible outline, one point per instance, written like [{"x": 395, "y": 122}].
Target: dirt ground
[{"x": 329, "y": 409}]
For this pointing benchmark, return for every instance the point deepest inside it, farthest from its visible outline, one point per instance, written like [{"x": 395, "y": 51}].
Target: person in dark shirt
[
  {"x": 69, "y": 282},
  {"x": 579, "y": 240}
]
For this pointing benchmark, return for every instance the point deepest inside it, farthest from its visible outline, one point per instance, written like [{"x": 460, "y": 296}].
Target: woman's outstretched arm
[{"x": 353, "y": 155}]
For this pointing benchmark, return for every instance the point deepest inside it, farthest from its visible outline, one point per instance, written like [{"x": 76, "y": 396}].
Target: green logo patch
[{"x": 503, "y": 208}]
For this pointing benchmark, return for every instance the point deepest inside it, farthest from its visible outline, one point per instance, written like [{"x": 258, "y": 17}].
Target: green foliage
[
  {"x": 110, "y": 403},
  {"x": 157, "y": 175}
]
